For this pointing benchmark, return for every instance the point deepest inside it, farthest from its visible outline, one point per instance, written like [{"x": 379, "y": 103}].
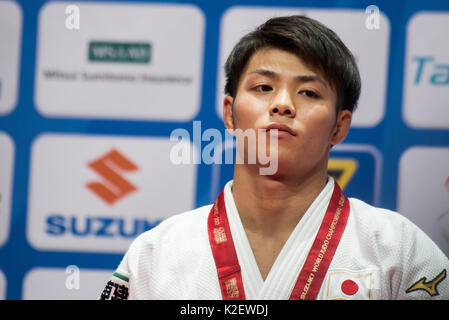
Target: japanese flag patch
[{"x": 343, "y": 284}]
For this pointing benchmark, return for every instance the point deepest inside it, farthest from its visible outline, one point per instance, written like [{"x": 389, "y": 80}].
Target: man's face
[{"x": 277, "y": 88}]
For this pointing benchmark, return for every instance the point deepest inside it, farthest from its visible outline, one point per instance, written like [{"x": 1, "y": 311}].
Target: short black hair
[{"x": 315, "y": 44}]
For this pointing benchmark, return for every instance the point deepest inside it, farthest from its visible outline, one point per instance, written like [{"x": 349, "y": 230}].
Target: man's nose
[{"x": 282, "y": 105}]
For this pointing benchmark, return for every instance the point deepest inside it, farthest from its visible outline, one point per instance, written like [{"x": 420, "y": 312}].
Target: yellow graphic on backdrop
[{"x": 342, "y": 170}]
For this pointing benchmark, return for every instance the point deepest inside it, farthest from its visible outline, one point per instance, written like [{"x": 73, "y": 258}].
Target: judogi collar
[{"x": 315, "y": 265}]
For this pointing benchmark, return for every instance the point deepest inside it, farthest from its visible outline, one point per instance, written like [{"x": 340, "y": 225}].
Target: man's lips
[{"x": 281, "y": 127}]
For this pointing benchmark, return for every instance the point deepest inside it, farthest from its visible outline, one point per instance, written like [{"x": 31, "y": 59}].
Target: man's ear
[
  {"x": 341, "y": 128},
  {"x": 227, "y": 114}
]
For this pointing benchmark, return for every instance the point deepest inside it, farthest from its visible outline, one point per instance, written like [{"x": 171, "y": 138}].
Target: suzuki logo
[{"x": 115, "y": 186}]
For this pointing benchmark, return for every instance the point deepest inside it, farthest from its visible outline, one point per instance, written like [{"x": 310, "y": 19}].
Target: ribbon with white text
[{"x": 317, "y": 262}]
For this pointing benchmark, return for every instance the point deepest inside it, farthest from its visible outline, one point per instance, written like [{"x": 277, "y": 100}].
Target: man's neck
[{"x": 269, "y": 206}]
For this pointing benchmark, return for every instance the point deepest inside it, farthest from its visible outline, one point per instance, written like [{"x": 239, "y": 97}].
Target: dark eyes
[
  {"x": 263, "y": 88},
  {"x": 267, "y": 88},
  {"x": 309, "y": 93}
]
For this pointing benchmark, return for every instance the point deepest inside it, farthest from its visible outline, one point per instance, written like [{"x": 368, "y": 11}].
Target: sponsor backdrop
[{"x": 91, "y": 92}]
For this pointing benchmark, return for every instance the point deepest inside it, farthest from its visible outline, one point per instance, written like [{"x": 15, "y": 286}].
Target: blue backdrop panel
[{"x": 30, "y": 127}]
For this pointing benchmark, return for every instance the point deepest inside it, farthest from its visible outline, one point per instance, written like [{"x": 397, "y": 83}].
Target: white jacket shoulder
[{"x": 404, "y": 252}]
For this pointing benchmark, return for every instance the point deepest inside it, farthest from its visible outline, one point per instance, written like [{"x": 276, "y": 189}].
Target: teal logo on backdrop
[
  {"x": 428, "y": 70},
  {"x": 119, "y": 52}
]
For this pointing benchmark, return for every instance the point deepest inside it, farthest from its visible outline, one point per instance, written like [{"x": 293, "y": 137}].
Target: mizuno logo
[
  {"x": 115, "y": 186},
  {"x": 429, "y": 286}
]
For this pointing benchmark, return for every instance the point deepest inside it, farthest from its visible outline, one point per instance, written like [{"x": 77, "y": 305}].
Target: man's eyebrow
[
  {"x": 311, "y": 78},
  {"x": 265, "y": 72},
  {"x": 300, "y": 78}
]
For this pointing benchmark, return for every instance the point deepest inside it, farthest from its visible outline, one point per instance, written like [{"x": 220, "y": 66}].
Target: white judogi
[{"x": 381, "y": 255}]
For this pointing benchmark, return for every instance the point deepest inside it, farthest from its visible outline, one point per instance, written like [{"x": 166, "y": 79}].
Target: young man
[{"x": 291, "y": 234}]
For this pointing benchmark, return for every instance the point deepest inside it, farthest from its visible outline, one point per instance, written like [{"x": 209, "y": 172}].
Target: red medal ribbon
[
  {"x": 317, "y": 262},
  {"x": 323, "y": 248},
  {"x": 222, "y": 245}
]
